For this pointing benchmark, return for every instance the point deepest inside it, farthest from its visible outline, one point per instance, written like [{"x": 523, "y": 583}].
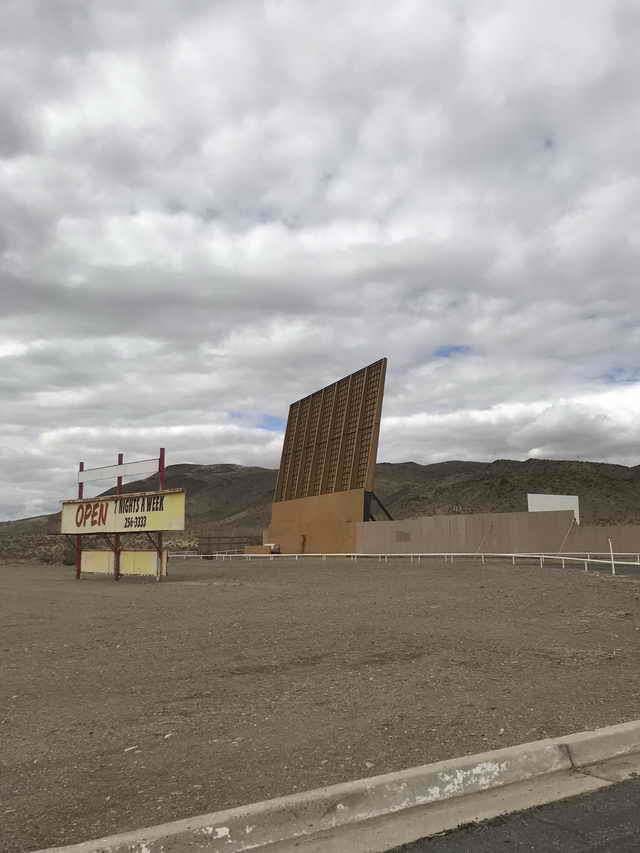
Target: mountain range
[{"x": 229, "y": 498}]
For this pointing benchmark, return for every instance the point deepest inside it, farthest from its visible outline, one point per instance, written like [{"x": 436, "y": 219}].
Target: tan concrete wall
[
  {"x": 491, "y": 532},
  {"x": 624, "y": 537},
  {"x": 322, "y": 524},
  {"x": 332, "y": 524}
]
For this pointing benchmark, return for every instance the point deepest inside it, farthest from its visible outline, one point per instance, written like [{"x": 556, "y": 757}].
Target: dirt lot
[{"x": 124, "y": 705}]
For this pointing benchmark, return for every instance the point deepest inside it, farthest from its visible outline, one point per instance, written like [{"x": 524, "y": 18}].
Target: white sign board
[
  {"x": 550, "y": 503},
  {"x": 134, "y": 513},
  {"x": 110, "y": 472}
]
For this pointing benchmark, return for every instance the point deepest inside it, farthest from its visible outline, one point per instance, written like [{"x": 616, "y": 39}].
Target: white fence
[
  {"x": 612, "y": 559},
  {"x": 186, "y": 555}
]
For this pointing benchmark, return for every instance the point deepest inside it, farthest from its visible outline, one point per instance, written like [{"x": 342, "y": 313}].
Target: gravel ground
[{"x": 124, "y": 705}]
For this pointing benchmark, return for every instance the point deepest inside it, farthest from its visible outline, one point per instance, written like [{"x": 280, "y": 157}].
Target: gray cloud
[{"x": 208, "y": 210}]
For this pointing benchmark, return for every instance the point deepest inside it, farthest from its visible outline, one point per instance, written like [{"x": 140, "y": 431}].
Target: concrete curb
[{"x": 304, "y": 815}]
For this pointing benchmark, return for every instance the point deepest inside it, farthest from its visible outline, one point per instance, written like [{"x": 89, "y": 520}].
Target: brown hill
[
  {"x": 234, "y": 498},
  {"x": 608, "y": 493},
  {"x": 228, "y": 495}
]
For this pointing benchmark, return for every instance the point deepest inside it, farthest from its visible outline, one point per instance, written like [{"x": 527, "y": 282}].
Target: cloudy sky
[{"x": 209, "y": 208}]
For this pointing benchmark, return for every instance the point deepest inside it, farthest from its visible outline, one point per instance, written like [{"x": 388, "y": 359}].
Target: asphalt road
[{"x": 605, "y": 821}]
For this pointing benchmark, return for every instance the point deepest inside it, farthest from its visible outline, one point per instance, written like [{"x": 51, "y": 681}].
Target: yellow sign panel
[
  {"x": 134, "y": 513},
  {"x": 131, "y": 562}
]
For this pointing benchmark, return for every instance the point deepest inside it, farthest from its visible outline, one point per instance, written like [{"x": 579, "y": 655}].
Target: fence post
[
  {"x": 613, "y": 565},
  {"x": 483, "y": 559},
  {"x": 586, "y": 566},
  {"x": 541, "y": 562}
]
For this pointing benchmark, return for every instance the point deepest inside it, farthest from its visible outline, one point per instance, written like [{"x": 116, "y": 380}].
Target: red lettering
[
  {"x": 87, "y": 514},
  {"x": 94, "y": 514},
  {"x": 103, "y": 513},
  {"x": 79, "y": 515}
]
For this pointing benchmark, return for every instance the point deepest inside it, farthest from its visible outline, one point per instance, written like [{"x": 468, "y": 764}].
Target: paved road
[{"x": 606, "y": 821}]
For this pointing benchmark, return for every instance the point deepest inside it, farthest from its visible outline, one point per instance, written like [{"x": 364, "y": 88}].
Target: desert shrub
[{"x": 69, "y": 553}]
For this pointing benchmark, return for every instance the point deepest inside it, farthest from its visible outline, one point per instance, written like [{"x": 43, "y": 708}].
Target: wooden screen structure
[{"x": 331, "y": 439}]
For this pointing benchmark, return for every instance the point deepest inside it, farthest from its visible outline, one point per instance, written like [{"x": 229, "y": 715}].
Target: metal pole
[
  {"x": 116, "y": 555},
  {"x": 159, "y": 575},
  {"x": 613, "y": 565},
  {"x": 161, "y": 468},
  {"x": 161, "y": 482},
  {"x": 79, "y": 538}
]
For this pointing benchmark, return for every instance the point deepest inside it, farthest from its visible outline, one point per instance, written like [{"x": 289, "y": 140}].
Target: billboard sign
[
  {"x": 145, "y": 512},
  {"x": 549, "y": 503},
  {"x": 331, "y": 439}
]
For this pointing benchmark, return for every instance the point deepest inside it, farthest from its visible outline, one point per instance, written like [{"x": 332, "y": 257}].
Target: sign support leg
[
  {"x": 79, "y": 538},
  {"x": 161, "y": 469},
  {"x": 161, "y": 483},
  {"x": 116, "y": 555}
]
